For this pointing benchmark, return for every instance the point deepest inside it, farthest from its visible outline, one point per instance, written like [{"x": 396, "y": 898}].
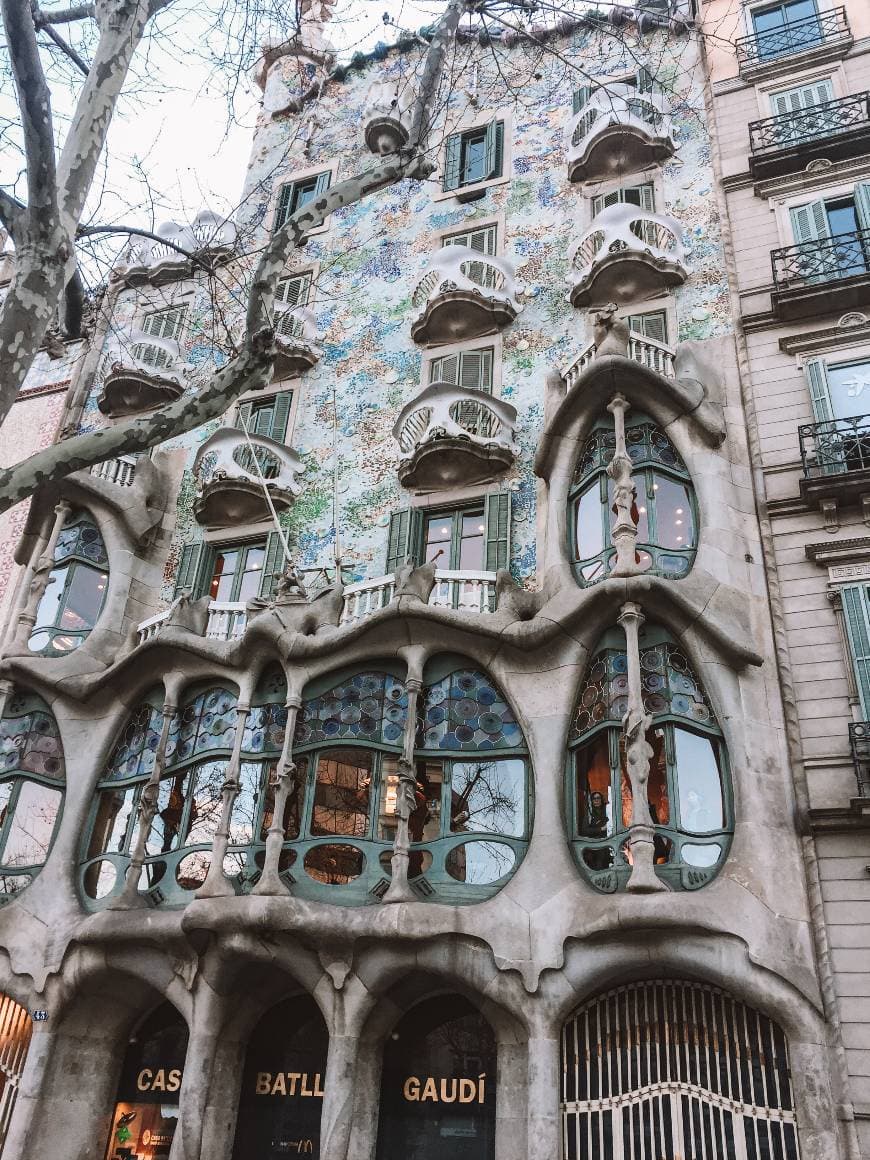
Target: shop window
[
  {"x": 146, "y": 1112},
  {"x": 296, "y": 194},
  {"x": 282, "y": 1084},
  {"x": 664, "y": 511},
  {"x": 688, "y": 791},
  {"x": 438, "y": 1084},
  {"x": 178, "y": 847},
  {"x": 683, "y": 1064},
  {"x": 474, "y": 156},
  {"x": 76, "y": 590},
  {"x": 474, "y": 537},
  {"x": 233, "y": 572}
]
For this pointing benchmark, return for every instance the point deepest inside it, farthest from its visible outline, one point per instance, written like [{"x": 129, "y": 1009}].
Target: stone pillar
[
  {"x": 339, "y": 1089},
  {"x": 406, "y": 795},
  {"x": 363, "y": 1129},
  {"x": 208, "y": 1016},
  {"x": 624, "y": 529},
  {"x": 285, "y": 780},
  {"x": 638, "y": 751},
  {"x": 543, "y": 1095},
  {"x": 39, "y": 579},
  {"x": 511, "y": 1102},
  {"x": 216, "y": 884}
]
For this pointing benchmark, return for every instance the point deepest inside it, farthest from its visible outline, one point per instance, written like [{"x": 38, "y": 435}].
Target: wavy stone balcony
[
  {"x": 450, "y": 437},
  {"x": 296, "y": 340},
  {"x": 385, "y": 115},
  {"x": 626, "y": 255},
  {"x": 464, "y": 294},
  {"x": 236, "y": 475},
  {"x": 145, "y": 375},
  {"x": 210, "y": 240},
  {"x": 617, "y": 131}
]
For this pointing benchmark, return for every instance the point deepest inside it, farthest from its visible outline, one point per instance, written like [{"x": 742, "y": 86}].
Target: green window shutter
[
  {"x": 452, "y": 162},
  {"x": 285, "y": 198},
  {"x": 191, "y": 569},
  {"x": 444, "y": 369},
  {"x": 273, "y": 565},
  {"x": 476, "y": 370},
  {"x": 653, "y": 325},
  {"x": 820, "y": 395},
  {"x": 293, "y": 291},
  {"x": 497, "y": 518},
  {"x": 645, "y": 83},
  {"x": 323, "y": 182},
  {"x": 855, "y": 614},
  {"x": 647, "y": 198},
  {"x": 279, "y": 416},
  {"x": 494, "y": 150},
  {"x": 810, "y": 222},
  {"x": 581, "y": 96},
  {"x": 243, "y": 416},
  {"x": 862, "y": 204},
  {"x": 802, "y": 97},
  {"x": 403, "y": 542}
]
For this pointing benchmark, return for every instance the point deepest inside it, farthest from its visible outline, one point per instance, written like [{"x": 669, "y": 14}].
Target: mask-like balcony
[
  {"x": 452, "y": 437},
  {"x": 236, "y": 475},
  {"x": 296, "y": 340},
  {"x": 825, "y": 276},
  {"x": 463, "y": 294},
  {"x": 138, "y": 378},
  {"x": 210, "y": 241},
  {"x": 385, "y": 115},
  {"x": 617, "y": 131},
  {"x": 626, "y": 255},
  {"x": 789, "y": 142},
  {"x": 649, "y": 352}
]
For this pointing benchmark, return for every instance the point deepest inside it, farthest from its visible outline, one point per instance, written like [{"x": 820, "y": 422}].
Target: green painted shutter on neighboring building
[
  {"x": 862, "y": 204},
  {"x": 809, "y": 222},
  {"x": 820, "y": 395},
  {"x": 494, "y": 149},
  {"x": 191, "y": 569},
  {"x": 855, "y": 612},
  {"x": 273, "y": 565},
  {"x": 497, "y": 519},
  {"x": 284, "y": 199}
]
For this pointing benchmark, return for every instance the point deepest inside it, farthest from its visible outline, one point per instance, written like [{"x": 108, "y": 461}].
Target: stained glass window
[
  {"x": 207, "y": 723},
  {"x": 76, "y": 589},
  {"x": 465, "y": 711},
  {"x": 133, "y": 756},
  {"x": 368, "y": 706}
]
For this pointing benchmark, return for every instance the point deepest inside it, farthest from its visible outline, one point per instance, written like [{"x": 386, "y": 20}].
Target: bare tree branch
[
  {"x": 66, "y": 15},
  {"x": 65, "y": 48},
  {"x": 12, "y": 212}
]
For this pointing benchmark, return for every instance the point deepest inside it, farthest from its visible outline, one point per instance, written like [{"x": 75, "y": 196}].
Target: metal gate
[
  {"x": 16, "y": 1028},
  {"x": 675, "y": 1071}
]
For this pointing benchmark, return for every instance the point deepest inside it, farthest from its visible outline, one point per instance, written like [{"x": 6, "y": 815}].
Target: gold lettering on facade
[
  {"x": 160, "y": 1080},
  {"x": 285, "y": 1083},
  {"x": 143, "y": 1079},
  {"x": 445, "y": 1090},
  {"x": 280, "y": 1088},
  {"x": 412, "y": 1089},
  {"x": 264, "y": 1083}
]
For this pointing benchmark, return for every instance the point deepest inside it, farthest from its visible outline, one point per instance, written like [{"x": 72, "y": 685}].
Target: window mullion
[
  {"x": 652, "y": 524},
  {"x": 10, "y": 812}
]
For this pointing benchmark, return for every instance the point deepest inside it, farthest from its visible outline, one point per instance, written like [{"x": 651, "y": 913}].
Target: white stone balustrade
[
  {"x": 617, "y": 130},
  {"x": 121, "y": 470},
  {"x": 150, "y": 628},
  {"x": 464, "y": 591},
  {"x": 296, "y": 340},
  {"x": 226, "y": 619},
  {"x": 626, "y": 254},
  {"x": 464, "y": 293},
  {"x": 649, "y": 352}
]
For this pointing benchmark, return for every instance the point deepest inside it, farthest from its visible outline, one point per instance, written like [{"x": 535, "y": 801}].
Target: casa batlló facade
[{"x": 484, "y": 842}]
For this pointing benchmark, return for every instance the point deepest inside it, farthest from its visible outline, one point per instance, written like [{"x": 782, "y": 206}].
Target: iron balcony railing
[
  {"x": 835, "y": 447},
  {"x": 789, "y": 130},
  {"x": 859, "y": 741},
  {"x": 762, "y": 47},
  {"x": 822, "y": 260}
]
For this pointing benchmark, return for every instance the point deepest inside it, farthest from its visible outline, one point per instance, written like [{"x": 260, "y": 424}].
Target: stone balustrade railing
[
  {"x": 121, "y": 470},
  {"x": 627, "y": 229},
  {"x": 649, "y": 352},
  {"x": 230, "y": 454},
  {"x": 459, "y": 268},
  {"x": 444, "y": 410},
  {"x": 226, "y": 619}
]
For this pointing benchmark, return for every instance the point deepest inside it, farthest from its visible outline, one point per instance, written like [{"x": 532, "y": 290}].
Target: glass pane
[
  {"x": 166, "y": 825},
  {"x": 473, "y": 158},
  {"x": 100, "y": 879},
  {"x": 488, "y": 797},
  {"x": 439, "y": 530},
  {"x": 657, "y": 786},
  {"x": 471, "y": 544},
  {"x": 291, "y": 812},
  {"x": 29, "y": 836},
  {"x": 699, "y": 782},
  {"x": 303, "y": 192},
  {"x": 675, "y": 526},
  {"x": 113, "y": 818},
  {"x": 244, "y": 812},
  {"x": 641, "y": 512},
  {"x": 205, "y": 809},
  {"x": 593, "y": 780},
  {"x": 850, "y": 390},
  {"x": 6, "y": 788},
  {"x": 84, "y": 598},
  {"x": 334, "y": 865},
  {"x": 696, "y": 855},
  {"x": 589, "y": 526},
  {"x": 225, "y": 566},
  {"x": 342, "y": 792},
  {"x": 250, "y": 581},
  {"x": 48, "y": 611},
  {"x": 479, "y": 863},
  {"x": 191, "y": 871}
]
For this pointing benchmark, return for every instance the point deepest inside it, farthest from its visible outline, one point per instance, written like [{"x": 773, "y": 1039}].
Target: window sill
[
  {"x": 466, "y": 193},
  {"x": 831, "y": 49}
]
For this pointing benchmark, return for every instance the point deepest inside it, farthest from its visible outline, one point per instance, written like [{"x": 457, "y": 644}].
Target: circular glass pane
[
  {"x": 192, "y": 869},
  {"x": 479, "y": 863},
  {"x": 696, "y": 855},
  {"x": 334, "y": 865},
  {"x": 600, "y": 858},
  {"x": 419, "y": 862},
  {"x": 100, "y": 879}
]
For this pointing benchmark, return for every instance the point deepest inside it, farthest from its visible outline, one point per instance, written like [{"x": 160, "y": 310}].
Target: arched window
[
  {"x": 664, "y": 512},
  {"x": 146, "y": 1112},
  {"x": 32, "y": 778},
  {"x": 470, "y": 827},
  {"x": 201, "y": 739},
  {"x": 438, "y": 1084},
  {"x": 76, "y": 591},
  {"x": 15, "y": 1042},
  {"x": 672, "y": 1068},
  {"x": 688, "y": 789}
]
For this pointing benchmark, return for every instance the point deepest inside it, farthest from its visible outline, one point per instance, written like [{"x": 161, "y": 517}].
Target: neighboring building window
[
  {"x": 297, "y": 194},
  {"x": 290, "y": 292},
  {"x": 800, "y": 114},
  {"x": 844, "y": 222},
  {"x": 475, "y": 537},
  {"x": 664, "y": 510},
  {"x": 32, "y": 775},
  {"x": 168, "y": 324},
  {"x": 796, "y": 100},
  {"x": 688, "y": 781},
  {"x": 471, "y": 369},
  {"x": 474, "y": 156},
  {"x": 651, "y": 325},
  {"x": 76, "y": 589},
  {"x": 856, "y": 614},
  {"x": 785, "y": 28},
  {"x": 231, "y": 572},
  {"x": 838, "y": 390},
  {"x": 681, "y": 1063}
]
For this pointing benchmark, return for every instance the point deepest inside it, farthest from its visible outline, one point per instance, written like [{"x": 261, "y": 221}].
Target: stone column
[
  {"x": 624, "y": 530},
  {"x": 339, "y": 1087},
  {"x": 285, "y": 780},
  {"x": 207, "y": 1019},
  {"x": 543, "y": 1094},
  {"x": 7, "y": 688},
  {"x": 216, "y": 884},
  {"x": 406, "y": 798},
  {"x": 638, "y": 751},
  {"x": 39, "y": 578},
  {"x": 130, "y": 896}
]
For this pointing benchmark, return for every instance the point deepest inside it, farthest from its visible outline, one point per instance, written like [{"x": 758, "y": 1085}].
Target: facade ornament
[
  {"x": 610, "y": 332},
  {"x": 290, "y": 588},
  {"x": 820, "y": 165},
  {"x": 624, "y": 530},
  {"x": 285, "y": 782},
  {"x": 853, "y": 318},
  {"x": 635, "y": 725},
  {"x": 216, "y": 883},
  {"x": 400, "y": 889}
]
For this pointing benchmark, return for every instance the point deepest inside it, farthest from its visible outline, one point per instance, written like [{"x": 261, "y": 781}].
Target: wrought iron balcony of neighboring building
[
  {"x": 836, "y": 463},
  {"x": 139, "y": 377},
  {"x": 617, "y": 131},
  {"x": 296, "y": 341},
  {"x": 626, "y": 255},
  {"x": 450, "y": 437},
  {"x": 834, "y": 130},
  {"x": 238, "y": 476},
  {"x": 859, "y": 742},
  {"x": 464, "y": 294},
  {"x": 825, "y": 34},
  {"x": 207, "y": 243},
  {"x": 824, "y": 276}
]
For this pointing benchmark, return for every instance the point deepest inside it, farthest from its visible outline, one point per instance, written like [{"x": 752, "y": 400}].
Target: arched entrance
[
  {"x": 16, "y": 1027},
  {"x": 438, "y": 1084},
  {"x": 667, "y": 1070},
  {"x": 146, "y": 1110},
  {"x": 282, "y": 1086}
]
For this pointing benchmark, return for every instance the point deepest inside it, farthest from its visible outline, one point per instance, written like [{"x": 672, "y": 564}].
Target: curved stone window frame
[
  {"x": 656, "y": 462},
  {"x": 31, "y": 758},
  {"x": 80, "y": 569},
  {"x": 682, "y": 860}
]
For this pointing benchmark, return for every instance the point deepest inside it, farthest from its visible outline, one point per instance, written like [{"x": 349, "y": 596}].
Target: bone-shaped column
[
  {"x": 216, "y": 883},
  {"x": 635, "y": 726},
  {"x": 40, "y": 576},
  {"x": 624, "y": 530},
  {"x": 285, "y": 781},
  {"x": 406, "y": 800}
]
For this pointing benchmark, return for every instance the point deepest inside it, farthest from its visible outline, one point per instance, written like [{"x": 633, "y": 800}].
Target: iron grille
[
  {"x": 762, "y": 47},
  {"x": 790, "y": 130},
  {"x": 821, "y": 261},
  {"x": 835, "y": 447},
  {"x": 859, "y": 741}
]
